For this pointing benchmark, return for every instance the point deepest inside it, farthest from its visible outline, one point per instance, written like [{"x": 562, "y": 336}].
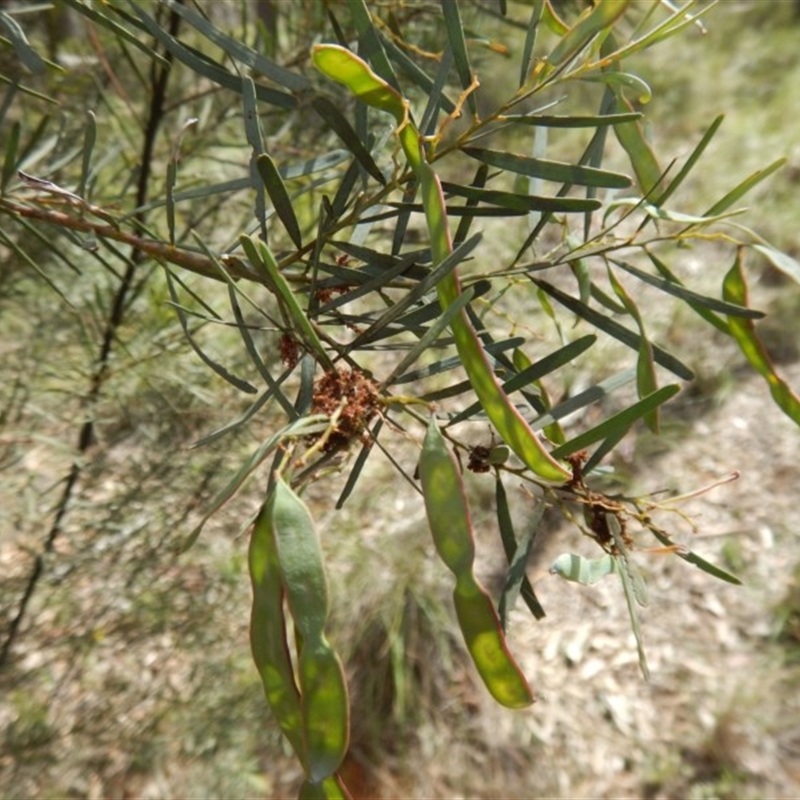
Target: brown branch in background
[
  {"x": 187, "y": 259},
  {"x": 159, "y": 75}
]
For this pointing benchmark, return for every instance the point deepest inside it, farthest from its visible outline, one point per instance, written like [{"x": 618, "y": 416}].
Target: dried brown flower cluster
[
  {"x": 356, "y": 395},
  {"x": 597, "y": 509},
  {"x": 479, "y": 459},
  {"x": 289, "y": 350}
]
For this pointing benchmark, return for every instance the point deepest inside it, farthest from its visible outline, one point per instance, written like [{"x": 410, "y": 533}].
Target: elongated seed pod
[
  {"x": 449, "y": 520},
  {"x": 323, "y": 690},
  {"x": 268, "y": 632}
]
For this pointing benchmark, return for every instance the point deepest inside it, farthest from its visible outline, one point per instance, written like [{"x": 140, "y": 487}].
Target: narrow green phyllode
[{"x": 734, "y": 290}]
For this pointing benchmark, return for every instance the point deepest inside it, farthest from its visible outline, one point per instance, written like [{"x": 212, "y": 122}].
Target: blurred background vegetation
[{"x": 131, "y": 673}]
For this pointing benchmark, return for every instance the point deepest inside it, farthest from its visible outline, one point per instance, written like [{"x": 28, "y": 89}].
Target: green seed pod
[
  {"x": 449, "y": 520},
  {"x": 268, "y": 632},
  {"x": 323, "y": 689}
]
